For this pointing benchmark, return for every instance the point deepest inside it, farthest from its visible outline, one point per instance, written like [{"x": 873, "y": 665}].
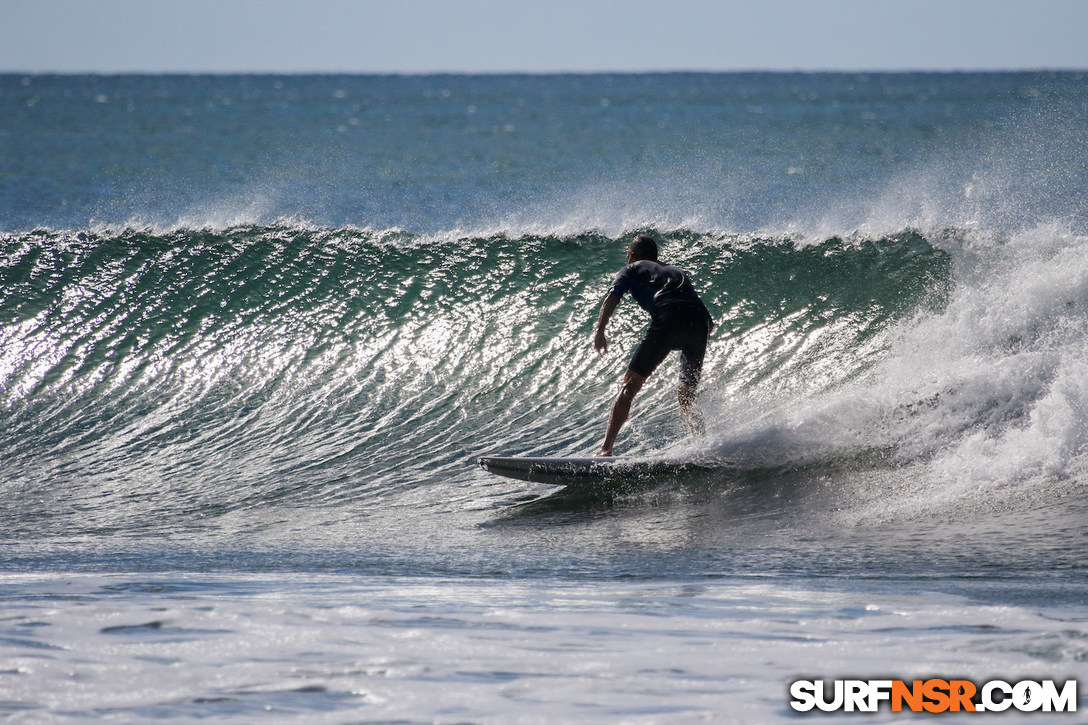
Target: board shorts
[{"x": 680, "y": 327}]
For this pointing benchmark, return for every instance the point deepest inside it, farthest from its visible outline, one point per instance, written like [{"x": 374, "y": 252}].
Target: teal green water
[
  {"x": 228, "y": 302},
  {"x": 306, "y": 365}
]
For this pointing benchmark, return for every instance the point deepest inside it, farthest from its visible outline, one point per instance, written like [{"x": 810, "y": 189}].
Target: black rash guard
[
  {"x": 655, "y": 286},
  {"x": 678, "y": 318}
]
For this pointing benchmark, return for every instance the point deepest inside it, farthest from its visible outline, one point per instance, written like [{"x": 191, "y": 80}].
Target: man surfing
[{"x": 678, "y": 321}]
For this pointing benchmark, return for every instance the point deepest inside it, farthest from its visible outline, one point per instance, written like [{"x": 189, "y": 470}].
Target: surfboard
[{"x": 567, "y": 471}]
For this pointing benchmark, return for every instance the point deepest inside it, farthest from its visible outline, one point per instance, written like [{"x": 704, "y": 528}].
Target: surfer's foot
[{"x": 604, "y": 454}]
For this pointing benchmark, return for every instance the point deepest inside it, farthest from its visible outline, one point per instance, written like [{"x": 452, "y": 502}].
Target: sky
[{"x": 498, "y": 36}]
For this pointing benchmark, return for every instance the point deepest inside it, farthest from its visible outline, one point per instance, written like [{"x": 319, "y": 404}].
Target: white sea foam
[
  {"x": 286, "y": 648},
  {"x": 987, "y": 393}
]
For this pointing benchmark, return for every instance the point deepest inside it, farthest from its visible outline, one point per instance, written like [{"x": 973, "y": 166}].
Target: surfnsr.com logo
[{"x": 933, "y": 695}]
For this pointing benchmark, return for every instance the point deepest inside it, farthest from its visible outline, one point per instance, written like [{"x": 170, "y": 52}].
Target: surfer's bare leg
[
  {"x": 686, "y": 395},
  {"x": 632, "y": 383}
]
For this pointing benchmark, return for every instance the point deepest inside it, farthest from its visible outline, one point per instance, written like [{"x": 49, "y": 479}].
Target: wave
[
  {"x": 198, "y": 371},
  {"x": 974, "y": 404}
]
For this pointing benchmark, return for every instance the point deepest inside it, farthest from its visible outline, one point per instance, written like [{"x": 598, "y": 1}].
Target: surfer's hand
[{"x": 599, "y": 343}]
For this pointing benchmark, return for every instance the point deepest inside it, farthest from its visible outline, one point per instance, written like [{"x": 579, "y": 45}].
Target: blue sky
[{"x": 419, "y": 36}]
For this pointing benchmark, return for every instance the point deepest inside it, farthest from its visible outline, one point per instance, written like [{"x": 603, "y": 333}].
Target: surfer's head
[{"x": 643, "y": 247}]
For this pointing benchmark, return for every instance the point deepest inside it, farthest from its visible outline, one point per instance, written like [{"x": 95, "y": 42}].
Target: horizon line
[{"x": 557, "y": 72}]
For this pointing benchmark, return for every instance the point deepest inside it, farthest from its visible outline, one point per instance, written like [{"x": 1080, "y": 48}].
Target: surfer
[{"x": 678, "y": 321}]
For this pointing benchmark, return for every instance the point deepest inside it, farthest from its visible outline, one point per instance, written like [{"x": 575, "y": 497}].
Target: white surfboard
[{"x": 566, "y": 471}]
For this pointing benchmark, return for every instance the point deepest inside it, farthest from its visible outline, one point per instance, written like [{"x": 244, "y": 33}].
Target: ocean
[{"x": 256, "y": 330}]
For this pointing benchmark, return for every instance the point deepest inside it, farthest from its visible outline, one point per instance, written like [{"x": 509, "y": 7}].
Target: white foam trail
[{"x": 988, "y": 394}]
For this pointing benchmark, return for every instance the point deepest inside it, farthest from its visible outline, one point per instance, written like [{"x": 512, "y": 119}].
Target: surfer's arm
[{"x": 607, "y": 308}]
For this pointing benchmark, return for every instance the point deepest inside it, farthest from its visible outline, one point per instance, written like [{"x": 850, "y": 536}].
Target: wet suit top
[
  {"x": 655, "y": 286},
  {"x": 678, "y": 318}
]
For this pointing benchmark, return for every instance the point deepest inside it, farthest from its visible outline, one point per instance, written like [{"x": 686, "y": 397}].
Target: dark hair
[{"x": 644, "y": 247}]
